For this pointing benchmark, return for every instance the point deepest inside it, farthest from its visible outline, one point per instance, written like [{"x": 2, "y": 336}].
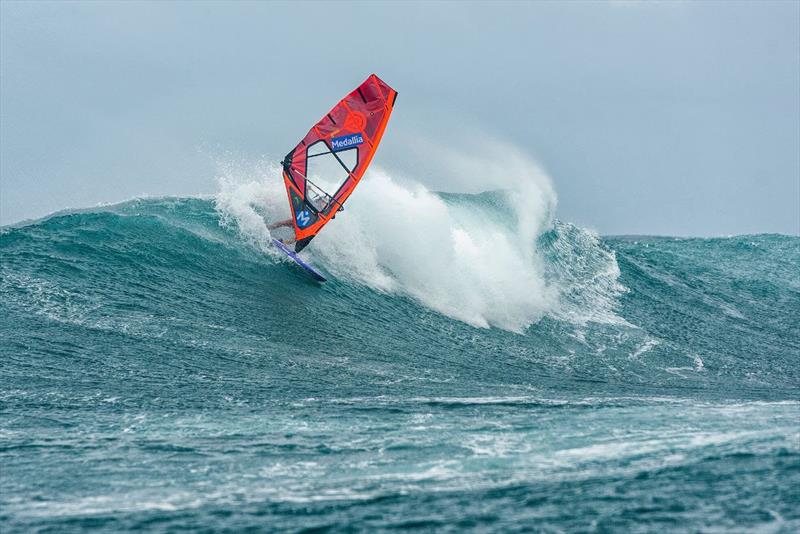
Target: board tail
[{"x": 305, "y": 266}]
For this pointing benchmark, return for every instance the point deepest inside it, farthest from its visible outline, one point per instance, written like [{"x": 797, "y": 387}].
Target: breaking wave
[
  {"x": 472, "y": 361},
  {"x": 492, "y": 259}
]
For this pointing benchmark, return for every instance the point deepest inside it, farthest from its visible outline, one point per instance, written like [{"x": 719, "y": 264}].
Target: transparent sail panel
[
  {"x": 327, "y": 174},
  {"x": 349, "y": 158},
  {"x": 318, "y": 148}
]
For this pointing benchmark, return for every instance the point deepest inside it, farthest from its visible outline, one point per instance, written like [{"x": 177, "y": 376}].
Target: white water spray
[{"x": 475, "y": 263}]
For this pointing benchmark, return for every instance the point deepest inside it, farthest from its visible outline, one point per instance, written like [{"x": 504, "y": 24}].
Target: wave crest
[{"x": 492, "y": 259}]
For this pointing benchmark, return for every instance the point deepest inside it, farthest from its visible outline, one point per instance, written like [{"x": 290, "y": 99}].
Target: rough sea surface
[{"x": 162, "y": 370}]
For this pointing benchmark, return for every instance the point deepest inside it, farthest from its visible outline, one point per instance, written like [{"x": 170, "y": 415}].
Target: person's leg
[{"x": 280, "y": 224}]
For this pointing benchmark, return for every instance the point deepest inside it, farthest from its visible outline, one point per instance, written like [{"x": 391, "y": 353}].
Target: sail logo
[
  {"x": 303, "y": 219},
  {"x": 346, "y": 141}
]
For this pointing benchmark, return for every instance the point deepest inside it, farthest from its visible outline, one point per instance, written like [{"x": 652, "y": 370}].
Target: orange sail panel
[{"x": 326, "y": 166}]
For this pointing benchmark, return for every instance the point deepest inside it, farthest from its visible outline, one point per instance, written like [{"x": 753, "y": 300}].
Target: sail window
[{"x": 327, "y": 172}]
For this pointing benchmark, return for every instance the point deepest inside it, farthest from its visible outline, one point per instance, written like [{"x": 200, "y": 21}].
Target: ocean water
[{"x": 473, "y": 364}]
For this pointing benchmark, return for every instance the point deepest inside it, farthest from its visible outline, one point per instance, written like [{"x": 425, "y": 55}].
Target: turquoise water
[{"x": 162, "y": 370}]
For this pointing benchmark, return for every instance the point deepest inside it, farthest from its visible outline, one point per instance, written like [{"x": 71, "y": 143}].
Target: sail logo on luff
[
  {"x": 346, "y": 141},
  {"x": 303, "y": 218}
]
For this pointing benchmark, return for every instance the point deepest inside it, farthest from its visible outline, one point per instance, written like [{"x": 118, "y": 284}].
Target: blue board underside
[{"x": 306, "y": 267}]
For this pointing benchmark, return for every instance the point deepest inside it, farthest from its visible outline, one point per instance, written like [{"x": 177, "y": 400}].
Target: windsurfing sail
[{"x": 322, "y": 171}]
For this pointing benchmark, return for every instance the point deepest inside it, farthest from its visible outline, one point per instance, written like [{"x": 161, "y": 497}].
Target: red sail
[{"x": 324, "y": 169}]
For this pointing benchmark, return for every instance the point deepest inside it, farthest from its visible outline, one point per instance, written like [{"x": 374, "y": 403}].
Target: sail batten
[{"x": 350, "y": 132}]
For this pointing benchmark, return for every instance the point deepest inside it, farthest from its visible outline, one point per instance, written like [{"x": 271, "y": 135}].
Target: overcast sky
[{"x": 671, "y": 118}]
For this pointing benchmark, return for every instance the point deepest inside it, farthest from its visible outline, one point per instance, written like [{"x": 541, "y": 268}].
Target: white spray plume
[{"x": 397, "y": 236}]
